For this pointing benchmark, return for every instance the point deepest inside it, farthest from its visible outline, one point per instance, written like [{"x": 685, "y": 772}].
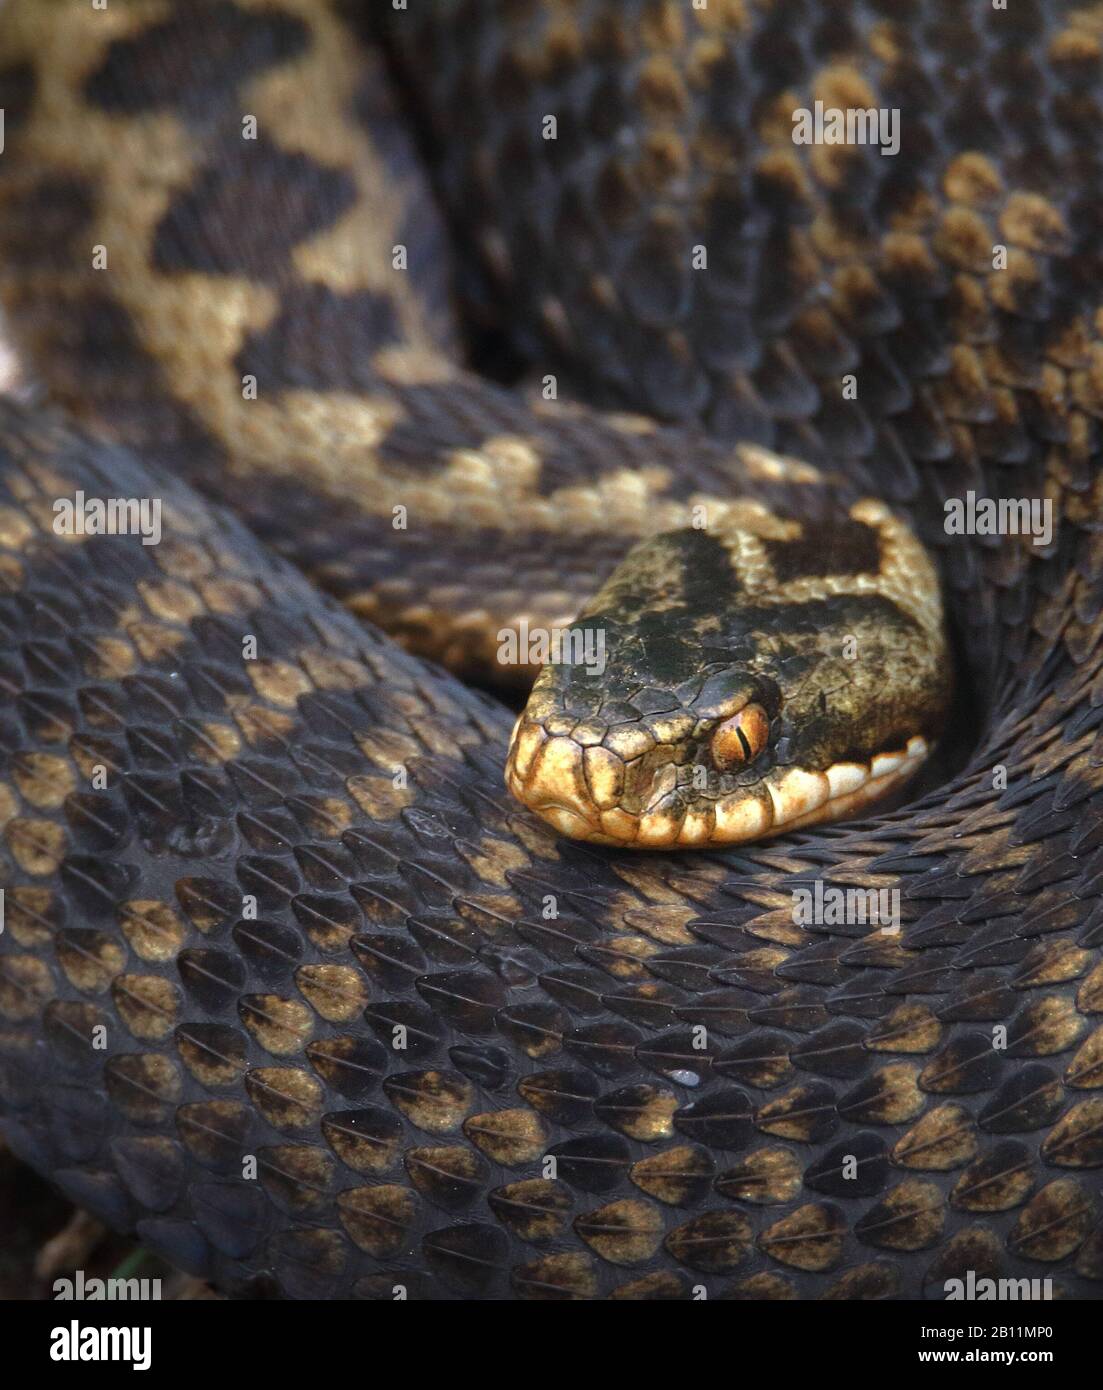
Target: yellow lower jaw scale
[{"x": 556, "y": 790}]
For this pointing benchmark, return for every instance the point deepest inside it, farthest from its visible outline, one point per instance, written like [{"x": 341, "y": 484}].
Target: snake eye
[{"x": 741, "y": 738}]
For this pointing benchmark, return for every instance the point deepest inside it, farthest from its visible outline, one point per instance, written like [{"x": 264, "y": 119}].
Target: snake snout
[
  {"x": 606, "y": 787},
  {"x": 560, "y": 778}
]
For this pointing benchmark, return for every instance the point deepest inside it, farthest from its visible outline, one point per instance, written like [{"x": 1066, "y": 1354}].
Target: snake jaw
[{"x": 579, "y": 791}]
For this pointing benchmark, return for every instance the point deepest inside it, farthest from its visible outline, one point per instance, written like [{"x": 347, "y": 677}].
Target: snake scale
[{"x": 290, "y": 984}]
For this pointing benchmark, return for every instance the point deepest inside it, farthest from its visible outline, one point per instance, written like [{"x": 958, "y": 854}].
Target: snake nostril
[{"x": 663, "y": 783}]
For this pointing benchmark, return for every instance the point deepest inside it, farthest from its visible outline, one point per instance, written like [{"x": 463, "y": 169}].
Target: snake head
[{"x": 722, "y": 687}]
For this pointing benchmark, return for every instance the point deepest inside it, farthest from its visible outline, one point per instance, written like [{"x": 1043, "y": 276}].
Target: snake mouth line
[{"x": 553, "y": 785}]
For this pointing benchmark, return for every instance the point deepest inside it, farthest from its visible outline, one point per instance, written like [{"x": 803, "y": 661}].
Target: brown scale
[
  {"x": 532, "y": 1038},
  {"x": 272, "y": 258},
  {"x": 965, "y": 373}
]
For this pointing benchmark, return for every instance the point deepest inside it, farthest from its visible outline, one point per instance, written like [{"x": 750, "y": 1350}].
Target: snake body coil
[{"x": 289, "y": 983}]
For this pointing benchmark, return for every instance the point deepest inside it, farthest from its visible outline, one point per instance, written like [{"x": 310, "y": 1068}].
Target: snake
[{"x": 357, "y": 343}]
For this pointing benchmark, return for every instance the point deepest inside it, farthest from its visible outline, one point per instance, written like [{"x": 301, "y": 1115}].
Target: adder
[{"x": 291, "y": 984}]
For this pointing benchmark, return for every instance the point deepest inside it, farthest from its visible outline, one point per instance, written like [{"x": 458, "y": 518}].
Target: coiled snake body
[{"x": 289, "y": 983}]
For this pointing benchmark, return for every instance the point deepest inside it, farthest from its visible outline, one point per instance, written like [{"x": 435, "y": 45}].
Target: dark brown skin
[{"x": 697, "y": 1062}]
